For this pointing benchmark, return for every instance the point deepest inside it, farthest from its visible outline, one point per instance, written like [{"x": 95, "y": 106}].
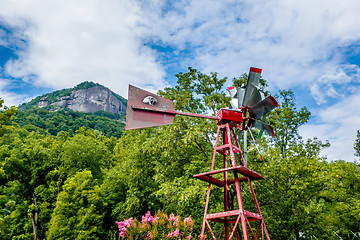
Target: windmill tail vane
[
  {"x": 248, "y": 108},
  {"x": 146, "y": 109}
]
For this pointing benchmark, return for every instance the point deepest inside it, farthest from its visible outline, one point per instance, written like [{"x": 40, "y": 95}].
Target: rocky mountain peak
[
  {"x": 92, "y": 99},
  {"x": 86, "y": 97}
]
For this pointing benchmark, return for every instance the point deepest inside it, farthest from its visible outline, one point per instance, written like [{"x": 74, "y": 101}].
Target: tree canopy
[
  {"x": 45, "y": 121},
  {"x": 357, "y": 144}
]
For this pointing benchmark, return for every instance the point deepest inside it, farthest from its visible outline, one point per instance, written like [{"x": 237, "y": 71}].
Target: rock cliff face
[
  {"x": 92, "y": 99},
  {"x": 43, "y": 102}
]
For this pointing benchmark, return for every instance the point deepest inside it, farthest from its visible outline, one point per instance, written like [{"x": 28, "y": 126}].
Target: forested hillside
[
  {"x": 77, "y": 182},
  {"x": 107, "y": 123}
]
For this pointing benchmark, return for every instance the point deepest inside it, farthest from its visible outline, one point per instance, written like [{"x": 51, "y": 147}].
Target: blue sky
[{"x": 311, "y": 47}]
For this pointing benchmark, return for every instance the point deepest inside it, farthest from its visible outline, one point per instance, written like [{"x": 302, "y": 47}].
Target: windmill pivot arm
[
  {"x": 138, "y": 107},
  {"x": 169, "y": 111}
]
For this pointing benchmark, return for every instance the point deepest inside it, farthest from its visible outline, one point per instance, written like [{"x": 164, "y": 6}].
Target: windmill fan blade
[
  {"x": 149, "y": 103},
  {"x": 252, "y": 93},
  {"x": 234, "y": 97},
  {"x": 240, "y": 94},
  {"x": 268, "y": 129},
  {"x": 233, "y": 91},
  {"x": 234, "y": 103},
  {"x": 237, "y": 96},
  {"x": 256, "y": 96},
  {"x": 263, "y": 107}
]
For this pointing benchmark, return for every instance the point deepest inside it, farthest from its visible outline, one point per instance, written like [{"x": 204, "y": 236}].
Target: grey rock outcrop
[
  {"x": 43, "y": 102},
  {"x": 92, "y": 99}
]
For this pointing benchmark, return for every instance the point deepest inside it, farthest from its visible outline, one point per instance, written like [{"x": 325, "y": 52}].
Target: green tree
[
  {"x": 197, "y": 92},
  {"x": 337, "y": 209},
  {"x": 286, "y": 120},
  {"x": 79, "y": 211},
  {"x": 357, "y": 144},
  {"x": 33, "y": 168},
  {"x": 26, "y": 159},
  {"x": 86, "y": 150},
  {"x": 6, "y": 115},
  {"x": 291, "y": 185}
]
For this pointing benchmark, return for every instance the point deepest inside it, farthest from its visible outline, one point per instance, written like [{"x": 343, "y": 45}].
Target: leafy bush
[{"x": 159, "y": 226}]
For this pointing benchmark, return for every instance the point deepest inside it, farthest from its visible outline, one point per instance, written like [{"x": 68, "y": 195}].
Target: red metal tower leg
[
  {"x": 238, "y": 216},
  {"x": 226, "y": 194}
]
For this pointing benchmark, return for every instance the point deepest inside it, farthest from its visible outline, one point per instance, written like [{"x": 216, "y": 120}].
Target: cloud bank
[{"x": 65, "y": 43}]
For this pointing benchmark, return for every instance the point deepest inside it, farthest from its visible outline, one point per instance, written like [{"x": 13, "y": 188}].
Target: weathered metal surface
[
  {"x": 240, "y": 169},
  {"x": 146, "y": 109},
  {"x": 152, "y": 109},
  {"x": 263, "y": 107},
  {"x": 252, "y": 92},
  {"x": 210, "y": 179},
  {"x": 227, "y": 115},
  {"x": 237, "y": 97},
  {"x": 255, "y": 216},
  {"x": 268, "y": 129}
]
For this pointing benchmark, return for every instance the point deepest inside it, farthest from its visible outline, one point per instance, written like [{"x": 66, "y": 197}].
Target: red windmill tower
[{"x": 248, "y": 105}]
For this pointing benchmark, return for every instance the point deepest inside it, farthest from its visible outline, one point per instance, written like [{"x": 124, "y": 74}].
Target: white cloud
[
  {"x": 338, "y": 124},
  {"x": 70, "y": 42},
  {"x": 336, "y": 84},
  {"x": 295, "y": 42},
  {"x": 9, "y": 98}
]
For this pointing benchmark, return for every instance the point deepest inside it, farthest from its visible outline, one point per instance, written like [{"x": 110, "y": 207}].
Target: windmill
[{"x": 249, "y": 107}]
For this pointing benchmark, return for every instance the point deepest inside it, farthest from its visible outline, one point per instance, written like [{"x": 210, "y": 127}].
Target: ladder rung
[
  {"x": 240, "y": 169},
  {"x": 209, "y": 178},
  {"x": 227, "y": 146},
  {"x": 215, "y": 217},
  {"x": 241, "y": 179}
]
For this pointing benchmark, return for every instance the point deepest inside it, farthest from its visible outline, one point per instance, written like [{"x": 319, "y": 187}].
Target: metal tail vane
[
  {"x": 248, "y": 106},
  {"x": 146, "y": 109}
]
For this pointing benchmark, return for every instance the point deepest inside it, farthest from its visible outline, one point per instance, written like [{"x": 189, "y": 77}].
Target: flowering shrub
[{"x": 159, "y": 226}]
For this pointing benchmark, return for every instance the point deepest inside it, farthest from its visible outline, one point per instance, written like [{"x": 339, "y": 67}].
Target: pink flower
[
  {"x": 174, "y": 234},
  {"x": 188, "y": 219},
  {"x": 148, "y": 235},
  {"x": 189, "y": 237},
  {"x": 123, "y": 226},
  {"x": 147, "y": 218},
  {"x": 174, "y": 219},
  {"x": 128, "y": 222}
]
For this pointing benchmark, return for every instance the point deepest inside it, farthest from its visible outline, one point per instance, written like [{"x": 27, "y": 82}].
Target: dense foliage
[
  {"x": 357, "y": 144},
  {"x": 70, "y": 121},
  {"x": 76, "y": 183}
]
